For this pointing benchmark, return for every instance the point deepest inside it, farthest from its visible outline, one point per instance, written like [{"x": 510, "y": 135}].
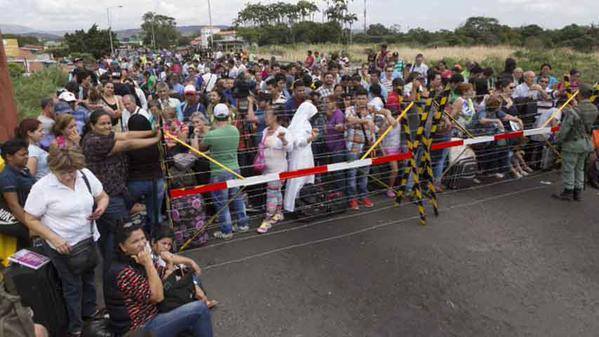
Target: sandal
[
  {"x": 264, "y": 227},
  {"x": 211, "y": 303}
]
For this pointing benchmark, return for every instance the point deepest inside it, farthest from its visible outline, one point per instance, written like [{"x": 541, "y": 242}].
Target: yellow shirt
[{"x": 1, "y": 164}]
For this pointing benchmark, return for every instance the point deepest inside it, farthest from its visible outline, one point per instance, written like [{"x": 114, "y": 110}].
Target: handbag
[
  {"x": 260, "y": 159},
  {"x": 178, "y": 290},
  {"x": 84, "y": 254}
]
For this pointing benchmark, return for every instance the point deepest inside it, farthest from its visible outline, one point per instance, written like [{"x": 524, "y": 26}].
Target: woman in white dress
[{"x": 301, "y": 157}]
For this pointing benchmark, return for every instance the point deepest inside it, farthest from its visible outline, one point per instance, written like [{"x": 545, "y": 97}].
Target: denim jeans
[
  {"x": 221, "y": 198},
  {"x": 146, "y": 189},
  {"x": 439, "y": 158},
  {"x": 357, "y": 179},
  {"x": 192, "y": 317},
  {"x": 115, "y": 212},
  {"x": 79, "y": 291},
  {"x": 338, "y": 183}
]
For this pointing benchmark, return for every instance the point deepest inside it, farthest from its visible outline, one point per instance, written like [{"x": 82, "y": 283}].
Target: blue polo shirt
[{"x": 20, "y": 182}]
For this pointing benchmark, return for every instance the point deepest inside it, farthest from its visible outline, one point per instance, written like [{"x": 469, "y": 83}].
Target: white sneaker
[
  {"x": 221, "y": 235},
  {"x": 243, "y": 229},
  {"x": 499, "y": 175}
]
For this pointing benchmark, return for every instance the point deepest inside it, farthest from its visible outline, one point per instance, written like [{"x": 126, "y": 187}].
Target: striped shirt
[{"x": 135, "y": 289}]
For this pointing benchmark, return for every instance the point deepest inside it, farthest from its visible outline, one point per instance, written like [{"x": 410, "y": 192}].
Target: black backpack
[{"x": 310, "y": 203}]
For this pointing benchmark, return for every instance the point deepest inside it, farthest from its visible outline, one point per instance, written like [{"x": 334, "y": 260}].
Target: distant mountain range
[{"x": 58, "y": 35}]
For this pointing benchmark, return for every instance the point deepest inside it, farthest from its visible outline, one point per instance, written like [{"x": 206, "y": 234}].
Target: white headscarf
[{"x": 301, "y": 120}]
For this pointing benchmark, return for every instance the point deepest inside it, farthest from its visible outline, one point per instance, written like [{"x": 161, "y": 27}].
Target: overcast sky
[{"x": 430, "y": 14}]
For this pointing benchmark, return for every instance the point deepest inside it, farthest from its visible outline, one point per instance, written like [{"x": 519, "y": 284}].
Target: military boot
[{"x": 566, "y": 195}]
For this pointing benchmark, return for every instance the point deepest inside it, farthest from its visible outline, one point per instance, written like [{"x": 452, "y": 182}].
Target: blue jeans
[
  {"x": 193, "y": 317},
  {"x": 338, "y": 176},
  {"x": 221, "y": 198},
  {"x": 79, "y": 291},
  {"x": 439, "y": 159},
  {"x": 357, "y": 179},
  {"x": 115, "y": 212},
  {"x": 152, "y": 192}
]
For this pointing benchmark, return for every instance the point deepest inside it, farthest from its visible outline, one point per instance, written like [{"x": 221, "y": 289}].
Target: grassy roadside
[
  {"x": 562, "y": 60},
  {"x": 29, "y": 90}
]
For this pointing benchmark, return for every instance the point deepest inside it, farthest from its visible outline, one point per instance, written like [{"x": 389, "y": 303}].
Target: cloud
[{"x": 69, "y": 15}]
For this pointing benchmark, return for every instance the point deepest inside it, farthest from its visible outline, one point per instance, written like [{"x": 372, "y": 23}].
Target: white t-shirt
[
  {"x": 541, "y": 119},
  {"x": 42, "y": 160},
  {"x": 126, "y": 115},
  {"x": 63, "y": 210},
  {"x": 210, "y": 81}
]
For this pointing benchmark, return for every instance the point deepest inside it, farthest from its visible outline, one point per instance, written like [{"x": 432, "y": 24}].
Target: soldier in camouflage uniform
[{"x": 575, "y": 138}]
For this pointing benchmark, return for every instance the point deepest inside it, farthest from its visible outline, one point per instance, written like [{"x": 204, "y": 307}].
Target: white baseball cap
[
  {"x": 189, "y": 89},
  {"x": 378, "y": 106},
  {"x": 67, "y": 96},
  {"x": 221, "y": 111}
]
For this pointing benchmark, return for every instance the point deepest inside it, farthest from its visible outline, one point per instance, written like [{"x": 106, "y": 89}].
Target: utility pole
[
  {"x": 110, "y": 28},
  {"x": 210, "y": 26},
  {"x": 364, "y": 16}
]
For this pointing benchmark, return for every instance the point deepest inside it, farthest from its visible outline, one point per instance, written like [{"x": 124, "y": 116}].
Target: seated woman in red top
[{"x": 135, "y": 289}]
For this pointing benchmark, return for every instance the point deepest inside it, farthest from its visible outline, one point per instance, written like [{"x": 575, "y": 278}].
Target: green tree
[
  {"x": 481, "y": 30},
  {"x": 377, "y": 30},
  {"x": 95, "y": 41},
  {"x": 306, "y": 9},
  {"x": 159, "y": 31}
]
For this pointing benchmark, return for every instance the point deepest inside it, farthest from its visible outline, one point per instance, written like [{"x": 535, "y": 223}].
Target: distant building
[
  {"x": 31, "y": 57},
  {"x": 222, "y": 39},
  {"x": 205, "y": 34}
]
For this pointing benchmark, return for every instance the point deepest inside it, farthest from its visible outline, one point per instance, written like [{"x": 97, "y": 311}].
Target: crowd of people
[{"x": 96, "y": 164}]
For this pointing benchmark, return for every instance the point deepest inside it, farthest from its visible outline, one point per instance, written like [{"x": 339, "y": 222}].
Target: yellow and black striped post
[
  {"x": 413, "y": 167},
  {"x": 426, "y": 168},
  {"x": 405, "y": 172},
  {"x": 420, "y": 157}
]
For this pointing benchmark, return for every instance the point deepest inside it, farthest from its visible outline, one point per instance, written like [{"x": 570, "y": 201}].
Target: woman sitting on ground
[
  {"x": 134, "y": 290},
  {"x": 167, "y": 263}
]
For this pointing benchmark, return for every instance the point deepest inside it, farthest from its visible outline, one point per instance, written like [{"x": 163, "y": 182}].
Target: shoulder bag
[{"x": 84, "y": 254}]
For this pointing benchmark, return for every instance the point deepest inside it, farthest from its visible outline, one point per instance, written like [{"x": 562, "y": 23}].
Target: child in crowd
[{"x": 168, "y": 263}]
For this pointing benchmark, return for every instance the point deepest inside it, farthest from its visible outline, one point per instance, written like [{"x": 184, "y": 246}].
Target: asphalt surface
[{"x": 500, "y": 260}]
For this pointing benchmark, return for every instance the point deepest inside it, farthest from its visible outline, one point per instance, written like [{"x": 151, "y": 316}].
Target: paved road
[{"x": 500, "y": 260}]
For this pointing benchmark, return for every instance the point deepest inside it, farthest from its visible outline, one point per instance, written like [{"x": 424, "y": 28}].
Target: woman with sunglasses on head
[{"x": 68, "y": 226}]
